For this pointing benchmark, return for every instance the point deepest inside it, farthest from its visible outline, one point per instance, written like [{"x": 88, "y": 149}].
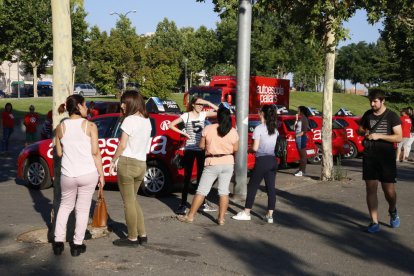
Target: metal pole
[
  {"x": 18, "y": 77},
  {"x": 243, "y": 81},
  {"x": 185, "y": 75},
  {"x": 62, "y": 88},
  {"x": 10, "y": 89}
]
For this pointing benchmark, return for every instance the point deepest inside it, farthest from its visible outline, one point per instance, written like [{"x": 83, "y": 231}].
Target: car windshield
[{"x": 211, "y": 97}]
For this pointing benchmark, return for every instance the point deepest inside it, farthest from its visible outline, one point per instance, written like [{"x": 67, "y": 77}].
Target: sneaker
[
  {"x": 299, "y": 173},
  {"x": 181, "y": 210},
  {"x": 206, "y": 207},
  {"x": 125, "y": 242},
  {"x": 395, "y": 219},
  {"x": 268, "y": 218},
  {"x": 373, "y": 227},
  {"x": 242, "y": 216}
]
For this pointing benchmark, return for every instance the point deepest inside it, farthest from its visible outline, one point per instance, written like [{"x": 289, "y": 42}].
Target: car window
[
  {"x": 290, "y": 124},
  {"x": 342, "y": 122},
  {"x": 105, "y": 126},
  {"x": 312, "y": 124},
  {"x": 336, "y": 125},
  {"x": 252, "y": 125},
  {"x": 118, "y": 130}
]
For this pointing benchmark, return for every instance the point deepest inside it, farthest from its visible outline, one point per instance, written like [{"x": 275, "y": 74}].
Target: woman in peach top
[{"x": 220, "y": 141}]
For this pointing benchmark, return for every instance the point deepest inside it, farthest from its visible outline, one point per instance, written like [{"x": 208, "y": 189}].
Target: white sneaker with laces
[
  {"x": 208, "y": 208},
  {"x": 299, "y": 173},
  {"x": 268, "y": 218},
  {"x": 242, "y": 216}
]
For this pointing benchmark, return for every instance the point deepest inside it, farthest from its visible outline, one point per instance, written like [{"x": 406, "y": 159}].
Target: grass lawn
[{"x": 42, "y": 104}]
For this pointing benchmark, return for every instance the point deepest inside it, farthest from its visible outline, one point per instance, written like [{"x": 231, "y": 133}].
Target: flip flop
[
  {"x": 221, "y": 222},
  {"x": 185, "y": 219}
]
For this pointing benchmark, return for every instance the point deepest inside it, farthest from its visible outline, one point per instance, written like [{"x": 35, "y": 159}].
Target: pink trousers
[{"x": 77, "y": 193}]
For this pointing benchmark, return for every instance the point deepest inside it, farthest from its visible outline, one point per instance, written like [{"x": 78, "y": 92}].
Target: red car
[
  {"x": 351, "y": 123},
  {"x": 287, "y": 132},
  {"x": 35, "y": 162},
  {"x": 340, "y": 143}
]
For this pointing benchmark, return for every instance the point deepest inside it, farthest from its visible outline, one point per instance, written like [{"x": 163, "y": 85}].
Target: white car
[{"x": 84, "y": 89}]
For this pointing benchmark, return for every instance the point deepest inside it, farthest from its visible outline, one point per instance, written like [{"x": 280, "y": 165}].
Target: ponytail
[
  {"x": 270, "y": 116},
  {"x": 61, "y": 108}
]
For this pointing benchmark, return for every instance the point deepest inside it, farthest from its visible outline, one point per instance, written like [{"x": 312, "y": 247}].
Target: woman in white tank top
[{"x": 77, "y": 145}]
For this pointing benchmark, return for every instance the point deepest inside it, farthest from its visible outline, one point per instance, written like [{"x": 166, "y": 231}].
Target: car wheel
[
  {"x": 156, "y": 180},
  {"x": 353, "y": 152},
  {"x": 37, "y": 174},
  {"x": 317, "y": 159}
]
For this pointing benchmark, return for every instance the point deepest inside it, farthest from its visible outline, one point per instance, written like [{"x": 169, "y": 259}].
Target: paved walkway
[{"x": 319, "y": 229}]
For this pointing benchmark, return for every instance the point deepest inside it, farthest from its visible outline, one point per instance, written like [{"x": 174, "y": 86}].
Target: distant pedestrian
[
  {"x": 301, "y": 128},
  {"x": 47, "y": 127},
  {"x": 220, "y": 141},
  {"x": 31, "y": 121},
  {"x": 77, "y": 144},
  {"x": 264, "y": 142},
  {"x": 130, "y": 164},
  {"x": 92, "y": 112},
  {"x": 382, "y": 128},
  {"x": 8, "y": 126},
  {"x": 406, "y": 135},
  {"x": 194, "y": 122},
  {"x": 411, "y": 140}
]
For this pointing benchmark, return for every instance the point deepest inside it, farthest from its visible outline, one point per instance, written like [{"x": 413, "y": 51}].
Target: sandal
[
  {"x": 186, "y": 219},
  {"x": 221, "y": 222}
]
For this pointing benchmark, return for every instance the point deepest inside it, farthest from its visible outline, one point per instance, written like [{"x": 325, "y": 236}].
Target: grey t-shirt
[{"x": 267, "y": 142}]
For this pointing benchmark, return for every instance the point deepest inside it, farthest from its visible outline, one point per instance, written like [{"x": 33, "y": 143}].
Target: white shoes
[
  {"x": 242, "y": 216},
  {"x": 268, "y": 218},
  {"x": 299, "y": 173}
]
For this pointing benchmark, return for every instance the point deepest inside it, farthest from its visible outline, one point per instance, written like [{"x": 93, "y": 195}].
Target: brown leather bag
[{"x": 100, "y": 214}]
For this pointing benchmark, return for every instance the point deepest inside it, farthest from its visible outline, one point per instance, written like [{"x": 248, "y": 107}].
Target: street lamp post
[
  {"x": 17, "y": 53},
  {"x": 185, "y": 75},
  {"x": 123, "y": 14},
  {"x": 10, "y": 65}
]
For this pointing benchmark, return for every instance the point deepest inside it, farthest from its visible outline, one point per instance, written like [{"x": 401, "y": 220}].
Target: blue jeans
[{"x": 7, "y": 132}]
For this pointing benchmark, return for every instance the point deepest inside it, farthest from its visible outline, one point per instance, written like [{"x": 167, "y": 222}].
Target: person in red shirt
[
  {"x": 406, "y": 129},
  {"x": 31, "y": 120},
  {"x": 8, "y": 126},
  {"x": 92, "y": 112}
]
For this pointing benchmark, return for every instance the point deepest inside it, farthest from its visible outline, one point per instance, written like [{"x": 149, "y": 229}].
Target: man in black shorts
[{"x": 379, "y": 163}]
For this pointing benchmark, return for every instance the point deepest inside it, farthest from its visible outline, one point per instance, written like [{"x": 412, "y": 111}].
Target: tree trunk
[
  {"x": 327, "y": 159},
  {"x": 34, "y": 65},
  {"x": 355, "y": 88},
  {"x": 344, "y": 86},
  {"x": 62, "y": 87}
]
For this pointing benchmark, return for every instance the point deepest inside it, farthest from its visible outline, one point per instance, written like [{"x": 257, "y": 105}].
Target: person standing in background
[
  {"x": 92, "y": 112},
  {"x": 194, "y": 121},
  {"x": 264, "y": 143},
  {"x": 31, "y": 121},
  {"x": 130, "y": 163},
  {"x": 47, "y": 127},
  {"x": 76, "y": 142},
  {"x": 8, "y": 126},
  {"x": 301, "y": 127},
  {"x": 411, "y": 140},
  {"x": 404, "y": 144}
]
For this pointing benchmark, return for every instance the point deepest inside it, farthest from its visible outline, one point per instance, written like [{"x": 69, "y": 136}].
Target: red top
[
  {"x": 31, "y": 120},
  {"x": 8, "y": 119},
  {"x": 406, "y": 126},
  {"x": 93, "y": 112}
]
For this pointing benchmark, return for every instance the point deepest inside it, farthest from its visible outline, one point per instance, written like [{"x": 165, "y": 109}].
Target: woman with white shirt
[{"x": 130, "y": 164}]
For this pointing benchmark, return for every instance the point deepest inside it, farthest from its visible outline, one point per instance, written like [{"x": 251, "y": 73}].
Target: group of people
[
  {"x": 213, "y": 146},
  {"x": 404, "y": 147}
]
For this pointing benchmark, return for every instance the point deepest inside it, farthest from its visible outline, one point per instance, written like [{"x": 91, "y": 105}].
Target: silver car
[{"x": 84, "y": 89}]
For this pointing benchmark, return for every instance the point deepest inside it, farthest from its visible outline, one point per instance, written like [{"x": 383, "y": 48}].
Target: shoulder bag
[{"x": 369, "y": 143}]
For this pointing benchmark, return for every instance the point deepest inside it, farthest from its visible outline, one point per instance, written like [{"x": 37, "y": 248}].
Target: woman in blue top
[{"x": 264, "y": 142}]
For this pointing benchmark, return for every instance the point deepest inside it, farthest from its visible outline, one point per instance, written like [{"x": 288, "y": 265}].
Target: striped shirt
[{"x": 193, "y": 127}]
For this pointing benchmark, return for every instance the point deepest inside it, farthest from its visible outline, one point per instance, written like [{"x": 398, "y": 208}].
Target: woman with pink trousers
[{"x": 77, "y": 145}]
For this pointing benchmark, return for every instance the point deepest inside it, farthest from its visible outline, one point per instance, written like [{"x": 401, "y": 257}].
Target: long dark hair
[
  {"x": 72, "y": 105},
  {"x": 8, "y": 105},
  {"x": 193, "y": 100},
  {"x": 134, "y": 103},
  {"x": 303, "y": 110},
  {"x": 270, "y": 115},
  {"x": 224, "y": 121}
]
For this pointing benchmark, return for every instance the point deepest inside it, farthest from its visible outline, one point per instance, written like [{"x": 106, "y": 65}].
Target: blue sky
[{"x": 187, "y": 13}]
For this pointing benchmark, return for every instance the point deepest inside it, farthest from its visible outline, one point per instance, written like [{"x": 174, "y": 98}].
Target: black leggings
[
  {"x": 265, "y": 167},
  {"x": 189, "y": 156}
]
